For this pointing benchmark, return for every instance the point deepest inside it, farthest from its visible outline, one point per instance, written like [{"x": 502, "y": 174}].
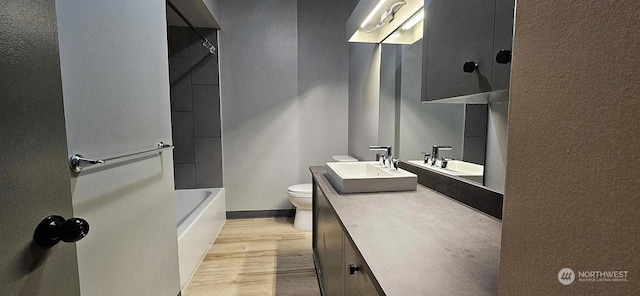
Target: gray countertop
[{"x": 420, "y": 242}]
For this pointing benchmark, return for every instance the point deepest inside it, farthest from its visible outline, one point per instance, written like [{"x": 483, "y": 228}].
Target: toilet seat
[{"x": 300, "y": 190}]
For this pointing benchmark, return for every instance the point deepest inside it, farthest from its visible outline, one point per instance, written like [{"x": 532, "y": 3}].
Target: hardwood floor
[{"x": 257, "y": 257}]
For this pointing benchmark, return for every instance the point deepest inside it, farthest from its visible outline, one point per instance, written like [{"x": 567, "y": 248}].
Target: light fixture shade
[
  {"x": 409, "y": 32},
  {"x": 372, "y": 13},
  {"x": 415, "y": 19},
  {"x": 368, "y": 13}
]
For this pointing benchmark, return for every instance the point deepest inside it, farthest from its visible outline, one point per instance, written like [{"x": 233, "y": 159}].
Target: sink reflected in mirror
[
  {"x": 369, "y": 176},
  {"x": 457, "y": 168}
]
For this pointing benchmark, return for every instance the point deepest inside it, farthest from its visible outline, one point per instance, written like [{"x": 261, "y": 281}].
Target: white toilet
[{"x": 300, "y": 197}]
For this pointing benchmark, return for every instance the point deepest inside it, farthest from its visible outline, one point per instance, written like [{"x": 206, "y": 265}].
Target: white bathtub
[{"x": 200, "y": 213}]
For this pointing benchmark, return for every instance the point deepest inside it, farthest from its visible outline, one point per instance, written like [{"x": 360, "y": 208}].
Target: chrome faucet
[
  {"x": 436, "y": 150},
  {"x": 386, "y": 156},
  {"x": 426, "y": 157}
]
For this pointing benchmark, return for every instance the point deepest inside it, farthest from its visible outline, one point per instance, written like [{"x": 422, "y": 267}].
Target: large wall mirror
[{"x": 475, "y": 133}]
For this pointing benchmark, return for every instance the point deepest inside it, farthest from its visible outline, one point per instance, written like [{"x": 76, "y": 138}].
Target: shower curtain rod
[{"x": 206, "y": 44}]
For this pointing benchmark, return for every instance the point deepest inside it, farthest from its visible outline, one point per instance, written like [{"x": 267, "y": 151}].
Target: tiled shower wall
[{"x": 195, "y": 109}]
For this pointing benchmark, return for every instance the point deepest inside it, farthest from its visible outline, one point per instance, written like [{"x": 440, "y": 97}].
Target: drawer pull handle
[{"x": 353, "y": 269}]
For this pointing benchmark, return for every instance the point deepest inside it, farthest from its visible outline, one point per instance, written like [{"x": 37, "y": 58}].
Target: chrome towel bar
[{"x": 77, "y": 162}]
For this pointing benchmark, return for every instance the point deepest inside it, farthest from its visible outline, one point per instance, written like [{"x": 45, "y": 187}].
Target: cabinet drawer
[{"x": 358, "y": 276}]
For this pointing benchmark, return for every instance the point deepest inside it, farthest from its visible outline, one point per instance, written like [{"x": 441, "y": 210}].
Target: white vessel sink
[
  {"x": 365, "y": 176},
  {"x": 470, "y": 171}
]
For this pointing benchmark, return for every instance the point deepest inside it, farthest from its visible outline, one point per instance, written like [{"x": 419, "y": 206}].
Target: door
[
  {"x": 88, "y": 77},
  {"x": 115, "y": 81},
  {"x": 35, "y": 178}
]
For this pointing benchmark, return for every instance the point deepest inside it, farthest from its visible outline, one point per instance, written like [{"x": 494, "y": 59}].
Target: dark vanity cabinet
[
  {"x": 357, "y": 279},
  {"x": 381, "y": 243},
  {"x": 327, "y": 245},
  {"x": 467, "y": 47},
  {"x": 339, "y": 268}
]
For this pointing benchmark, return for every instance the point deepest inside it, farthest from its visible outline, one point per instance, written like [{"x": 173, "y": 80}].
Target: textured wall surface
[
  {"x": 571, "y": 196},
  {"x": 323, "y": 73},
  {"x": 115, "y": 82},
  {"x": 283, "y": 96},
  {"x": 259, "y": 100},
  {"x": 195, "y": 109}
]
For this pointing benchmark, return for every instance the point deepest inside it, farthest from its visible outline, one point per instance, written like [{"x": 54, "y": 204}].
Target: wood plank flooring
[{"x": 257, "y": 257}]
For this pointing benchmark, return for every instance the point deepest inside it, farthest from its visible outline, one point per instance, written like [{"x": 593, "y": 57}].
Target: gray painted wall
[
  {"x": 364, "y": 98},
  {"x": 323, "y": 72},
  {"x": 496, "y": 159},
  {"x": 283, "y": 96},
  {"x": 116, "y": 99},
  {"x": 195, "y": 109},
  {"x": 259, "y": 90}
]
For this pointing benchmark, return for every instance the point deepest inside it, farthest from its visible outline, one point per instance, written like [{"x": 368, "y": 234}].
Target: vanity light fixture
[
  {"x": 386, "y": 17},
  {"x": 381, "y": 18},
  {"x": 414, "y": 20},
  {"x": 409, "y": 32},
  {"x": 373, "y": 12}
]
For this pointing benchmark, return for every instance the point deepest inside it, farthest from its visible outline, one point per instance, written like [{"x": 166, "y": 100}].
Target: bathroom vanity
[{"x": 401, "y": 243}]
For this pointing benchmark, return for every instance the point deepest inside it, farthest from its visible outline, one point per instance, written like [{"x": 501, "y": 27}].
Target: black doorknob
[
  {"x": 503, "y": 57},
  {"x": 353, "y": 269},
  {"x": 470, "y": 66},
  {"x": 54, "y": 229}
]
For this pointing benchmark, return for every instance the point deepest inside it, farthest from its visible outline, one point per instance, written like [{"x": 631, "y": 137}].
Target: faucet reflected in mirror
[
  {"x": 435, "y": 152},
  {"x": 432, "y": 158}
]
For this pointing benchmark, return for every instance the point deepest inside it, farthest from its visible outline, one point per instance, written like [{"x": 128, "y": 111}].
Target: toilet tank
[{"x": 343, "y": 158}]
